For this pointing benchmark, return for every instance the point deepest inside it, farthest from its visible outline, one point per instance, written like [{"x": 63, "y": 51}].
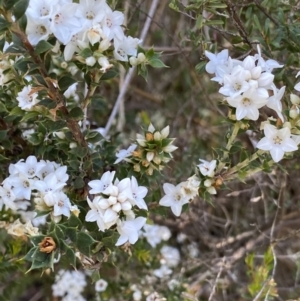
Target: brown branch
[
  {"x": 237, "y": 21},
  {"x": 266, "y": 13},
  {"x": 53, "y": 92}
]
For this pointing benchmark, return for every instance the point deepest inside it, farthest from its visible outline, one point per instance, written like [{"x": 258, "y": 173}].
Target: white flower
[
  {"x": 98, "y": 186},
  {"x": 27, "y": 99},
  {"x": 125, "y": 153},
  {"x": 90, "y": 12},
  {"x": 155, "y": 234},
  {"x": 96, "y": 214},
  {"x": 129, "y": 230},
  {"x": 268, "y": 65},
  {"x": 64, "y": 23},
  {"x": 277, "y": 142},
  {"x": 100, "y": 285},
  {"x": 207, "y": 168},
  {"x": 78, "y": 41},
  {"x": 247, "y": 105},
  {"x": 174, "y": 198},
  {"x": 274, "y": 102},
  {"x": 111, "y": 25},
  {"x": 162, "y": 272},
  {"x": 126, "y": 46},
  {"x": 62, "y": 204},
  {"x": 37, "y": 30},
  {"x": 22, "y": 186},
  {"x": 138, "y": 193},
  {"x": 172, "y": 284},
  {"x": 216, "y": 60},
  {"x": 7, "y": 197},
  {"x": 49, "y": 184},
  {"x": 170, "y": 256},
  {"x": 236, "y": 83}
]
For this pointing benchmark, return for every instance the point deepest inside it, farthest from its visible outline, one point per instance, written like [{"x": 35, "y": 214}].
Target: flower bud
[
  {"x": 149, "y": 136},
  {"x": 294, "y": 99},
  {"x": 136, "y": 167},
  {"x": 141, "y": 58},
  {"x": 90, "y": 61},
  {"x": 133, "y": 61},
  {"x": 207, "y": 183},
  {"x": 47, "y": 245},
  {"x": 150, "y": 156},
  {"x": 157, "y": 136},
  {"x": 294, "y": 112},
  {"x": 157, "y": 160}
]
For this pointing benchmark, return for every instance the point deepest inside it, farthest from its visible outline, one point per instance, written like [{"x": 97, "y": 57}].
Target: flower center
[
  {"x": 121, "y": 52},
  {"x": 26, "y": 184},
  {"x": 44, "y": 11},
  {"x": 177, "y": 196},
  {"x": 237, "y": 87},
  {"x": 90, "y": 15},
  {"x": 246, "y": 102},
  {"x": 108, "y": 22},
  {"x": 277, "y": 140}
]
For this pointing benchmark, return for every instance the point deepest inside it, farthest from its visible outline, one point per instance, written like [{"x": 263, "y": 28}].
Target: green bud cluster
[{"x": 153, "y": 150}]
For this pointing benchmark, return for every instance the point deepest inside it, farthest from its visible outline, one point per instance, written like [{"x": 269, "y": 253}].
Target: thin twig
[
  {"x": 131, "y": 70},
  {"x": 216, "y": 281},
  {"x": 266, "y": 13}
]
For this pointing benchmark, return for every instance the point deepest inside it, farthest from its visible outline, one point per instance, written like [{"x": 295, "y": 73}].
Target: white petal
[{"x": 277, "y": 154}]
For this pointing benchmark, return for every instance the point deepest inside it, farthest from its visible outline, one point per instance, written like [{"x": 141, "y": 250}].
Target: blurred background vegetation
[{"x": 249, "y": 225}]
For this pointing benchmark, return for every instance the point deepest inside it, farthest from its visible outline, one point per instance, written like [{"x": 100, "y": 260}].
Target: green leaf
[
  {"x": 4, "y": 25},
  {"x": 214, "y": 22},
  {"x": 24, "y": 65},
  {"x": 76, "y": 113},
  {"x": 19, "y": 8},
  {"x": 79, "y": 151},
  {"x": 8, "y": 4},
  {"x": 42, "y": 47},
  {"x": 85, "y": 53},
  {"x": 199, "y": 22},
  {"x": 48, "y": 103},
  {"x": 37, "y": 239},
  {"x": 2, "y": 108},
  {"x": 72, "y": 234},
  {"x": 16, "y": 111},
  {"x": 65, "y": 82},
  {"x": 200, "y": 68},
  {"x": 3, "y": 135},
  {"x": 156, "y": 63},
  {"x": 54, "y": 126},
  {"x": 70, "y": 255},
  {"x": 257, "y": 23},
  {"x": 109, "y": 74},
  {"x": 74, "y": 221},
  {"x": 29, "y": 116},
  {"x": 84, "y": 243},
  {"x": 29, "y": 255},
  {"x": 79, "y": 183}
]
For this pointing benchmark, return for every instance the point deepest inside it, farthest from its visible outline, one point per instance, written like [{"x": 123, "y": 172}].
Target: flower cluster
[
  {"x": 245, "y": 84},
  {"x": 207, "y": 171},
  {"x": 150, "y": 152},
  {"x": 179, "y": 195},
  {"x": 69, "y": 285},
  {"x": 154, "y": 234},
  {"x": 78, "y": 26},
  {"x": 43, "y": 180},
  {"x": 113, "y": 203},
  {"x": 248, "y": 86}
]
